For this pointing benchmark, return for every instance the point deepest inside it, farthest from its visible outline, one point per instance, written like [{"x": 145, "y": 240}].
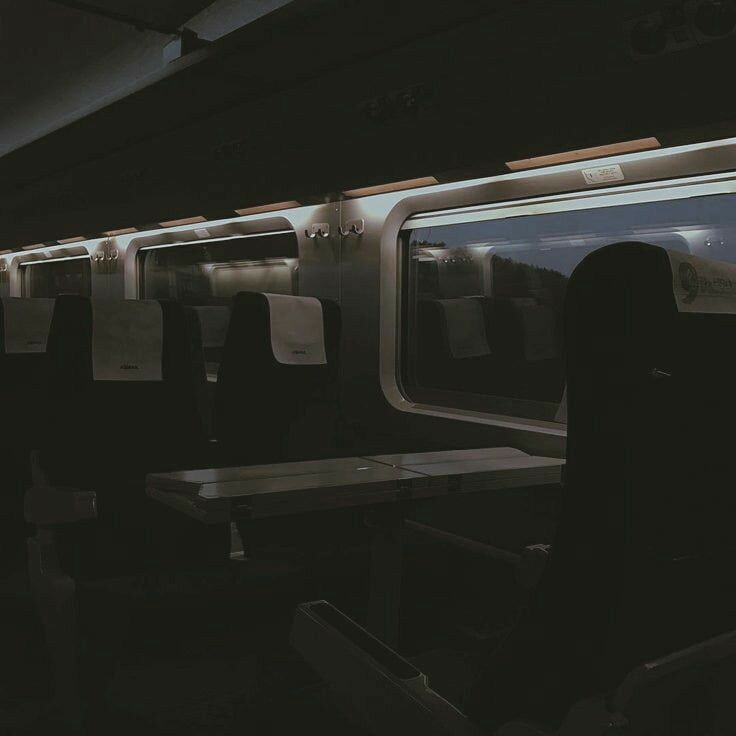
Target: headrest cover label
[
  {"x": 297, "y": 329},
  {"x": 26, "y": 324},
  {"x": 466, "y": 329},
  {"x": 701, "y": 285},
  {"x": 127, "y": 340}
]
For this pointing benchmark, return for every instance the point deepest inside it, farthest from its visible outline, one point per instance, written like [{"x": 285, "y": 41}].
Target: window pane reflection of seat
[
  {"x": 63, "y": 276},
  {"x": 516, "y": 270},
  {"x": 206, "y": 275}
]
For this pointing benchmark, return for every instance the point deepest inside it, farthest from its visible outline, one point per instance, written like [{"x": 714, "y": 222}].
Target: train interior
[{"x": 448, "y": 455}]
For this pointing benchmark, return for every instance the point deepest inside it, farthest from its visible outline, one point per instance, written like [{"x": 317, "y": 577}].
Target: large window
[
  {"x": 207, "y": 274},
  {"x": 212, "y": 272},
  {"x": 482, "y": 300},
  {"x": 68, "y": 275}
]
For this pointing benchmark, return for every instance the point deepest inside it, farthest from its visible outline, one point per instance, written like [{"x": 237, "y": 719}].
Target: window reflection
[
  {"x": 63, "y": 276},
  {"x": 483, "y": 300}
]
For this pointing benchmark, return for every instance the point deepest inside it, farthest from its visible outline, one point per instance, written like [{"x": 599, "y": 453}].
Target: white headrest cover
[
  {"x": 213, "y": 322},
  {"x": 466, "y": 328},
  {"x": 297, "y": 329},
  {"x": 27, "y": 323},
  {"x": 127, "y": 340},
  {"x": 701, "y": 285}
]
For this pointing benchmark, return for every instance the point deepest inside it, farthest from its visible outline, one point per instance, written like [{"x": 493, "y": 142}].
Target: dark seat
[
  {"x": 278, "y": 408},
  {"x": 125, "y": 389},
  {"x": 278, "y": 400},
  {"x": 24, "y": 327},
  {"x": 642, "y": 562},
  {"x": 640, "y": 565}
]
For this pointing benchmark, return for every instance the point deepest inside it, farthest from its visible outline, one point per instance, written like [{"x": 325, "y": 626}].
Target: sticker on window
[{"x": 701, "y": 285}]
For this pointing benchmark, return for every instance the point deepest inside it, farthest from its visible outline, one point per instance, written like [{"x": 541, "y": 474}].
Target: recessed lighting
[
  {"x": 121, "y": 231},
  {"x": 395, "y": 186},
  {"x": 268, "y": 207},
  {"x": 75, "y": 239},
  {"x": 583, "y": 154},
  {"x": 183, "y": 221},
  {"x": 41, "y": 262}
]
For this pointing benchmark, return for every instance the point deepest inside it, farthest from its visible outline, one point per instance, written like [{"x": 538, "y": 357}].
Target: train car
[{"x": 442, "y": 454}]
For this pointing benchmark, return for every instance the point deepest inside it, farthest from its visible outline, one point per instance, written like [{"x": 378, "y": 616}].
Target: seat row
[{"x": 102, "y": 392}]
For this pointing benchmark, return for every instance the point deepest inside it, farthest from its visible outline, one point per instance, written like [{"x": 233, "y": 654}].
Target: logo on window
[{"x": 689, "y": 282}]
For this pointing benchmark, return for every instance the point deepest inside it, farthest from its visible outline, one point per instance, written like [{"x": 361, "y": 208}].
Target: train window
[
  {"x": 207, "y": 274},
  {"x": 68, "y": 275},
  {"x": 482, "y": 300},
  {"x": 211, "y": 272}
]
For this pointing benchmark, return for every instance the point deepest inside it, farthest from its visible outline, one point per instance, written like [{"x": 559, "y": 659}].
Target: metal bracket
[
  {"x": 318, "y": 229},
  {"x": 353, "y": 227}
]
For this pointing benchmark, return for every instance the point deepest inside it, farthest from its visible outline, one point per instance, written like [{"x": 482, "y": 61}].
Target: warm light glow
[
  {"x": 396, "y": 186},
  {"x": 75, "y": 239},
  {"x": 583, "y": 154},
  {"x": 216, "y": 240},
  {"x": 121, "y": 231},
  {"x": 53, "y": 260},
  {"x": 268, "y": 207},
  {"x": 183, "y": 221},
  {"x": 32, "y": 247}
]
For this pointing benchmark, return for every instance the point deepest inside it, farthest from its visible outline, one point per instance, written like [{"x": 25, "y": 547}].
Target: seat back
[
  {"x": 125, "y": 388},
  {"x": 277, "y": 396},
  {"x": 24, "y": 328},
  {"x": 641, "y": 565}
]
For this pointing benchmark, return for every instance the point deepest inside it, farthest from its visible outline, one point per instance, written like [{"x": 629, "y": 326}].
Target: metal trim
[{"x": 658, "y": 175}]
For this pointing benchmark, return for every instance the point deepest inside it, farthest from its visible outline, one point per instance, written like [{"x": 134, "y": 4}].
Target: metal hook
[
  {"x": 321, "y": 229},
  {"x": 354, "y": 227}
]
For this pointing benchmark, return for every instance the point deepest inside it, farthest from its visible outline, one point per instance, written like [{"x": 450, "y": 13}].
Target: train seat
[
  {"x": 634, "y": 620},
  {"x": 277, "y": 400},
  {"x": 277, "y": 397},
  {"x": 122, "y": 404},
  {"x": 124, "y": 388},
  {"x": 24, "y": 329}
]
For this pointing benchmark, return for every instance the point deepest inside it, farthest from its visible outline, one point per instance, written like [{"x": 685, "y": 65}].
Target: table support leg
[{"x": 384, "y": 604}]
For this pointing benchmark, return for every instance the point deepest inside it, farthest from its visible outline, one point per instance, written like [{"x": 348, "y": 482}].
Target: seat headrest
[
  {"x": 127, "y": 340},
  {"x": 702, "y": 286},
  {"x": 26, "y": 324},
  {"x": 466, "y": 329},
  {"x": 297, "y": 329},
  {"x": 213, "y": 323}
]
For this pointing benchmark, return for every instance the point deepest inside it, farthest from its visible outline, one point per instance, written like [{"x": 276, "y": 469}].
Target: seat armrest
[
  {"x": 530, "y": 564},
  {"x": 53, "y": 505},
  {"x": 650, "y": 690},
  {"x": 379, "y": 690}
]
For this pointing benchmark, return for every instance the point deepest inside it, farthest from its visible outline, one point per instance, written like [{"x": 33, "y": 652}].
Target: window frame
[{"x": 423, "y": 211}]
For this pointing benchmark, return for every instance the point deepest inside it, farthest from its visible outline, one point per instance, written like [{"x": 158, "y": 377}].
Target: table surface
[{"x": 287, "y": 488}]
